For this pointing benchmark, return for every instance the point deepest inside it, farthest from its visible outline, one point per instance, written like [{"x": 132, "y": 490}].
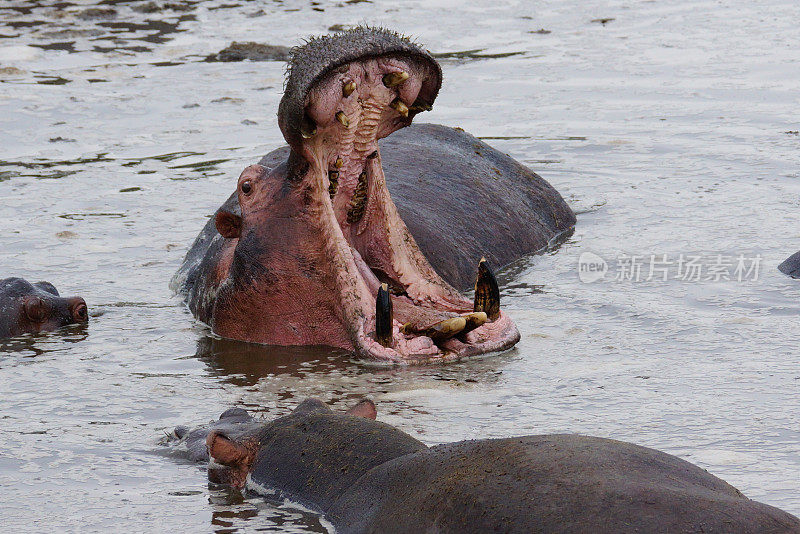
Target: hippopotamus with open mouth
[
  {"x": 33, "y": 308},
  {"x": 313, "y": 250},
  {"x": 367, "y": 476}
]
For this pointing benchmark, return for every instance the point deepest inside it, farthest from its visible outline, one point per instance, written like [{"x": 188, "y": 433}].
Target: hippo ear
[
  {"x": 365, "y": 408},
  {"x": 228, "y": 224},
  {"x": 225, "y": 451}
]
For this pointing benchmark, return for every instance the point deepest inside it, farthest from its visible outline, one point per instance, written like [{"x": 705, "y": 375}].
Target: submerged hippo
[
  {"x": 791, "y": 265},
  {"x": 33, "y": 308},
  {"x": 367, "y": 476},
  {"x": 312, "y": 249}
]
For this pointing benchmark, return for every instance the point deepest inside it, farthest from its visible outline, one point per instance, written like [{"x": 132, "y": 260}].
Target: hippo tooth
[
  {"x": 393, "y": 79},
  {"x": 348, "y": 88},
  {"x": 487, "y": 293},
  {"x": 474, "y": 320},
  {"x": 420, "y": 105},
  {"x": 307, "y": 128},
  {"x": 399, "y": 106},
  {"x": 338, "y": 163},
  {"x": 358, "y": 204},
  {"x": 446, "y": 329},
  {"x": 341, "y": 117},
  {"x": 333, "y": 183},
  {"x": 383, "y": 316}
]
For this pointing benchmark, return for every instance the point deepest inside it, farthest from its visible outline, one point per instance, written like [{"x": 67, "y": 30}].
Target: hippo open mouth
[
  {"x": 321, "y": 255},
  {"x": 410, "y": 311}
]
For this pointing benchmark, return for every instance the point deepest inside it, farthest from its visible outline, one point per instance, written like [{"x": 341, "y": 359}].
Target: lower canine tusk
[
  {"x": 383, "y": 316},
  {"x": 487, "y": 293}
]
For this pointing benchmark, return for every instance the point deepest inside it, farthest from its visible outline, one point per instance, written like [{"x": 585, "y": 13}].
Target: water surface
[{"x": 671, "y": 128}]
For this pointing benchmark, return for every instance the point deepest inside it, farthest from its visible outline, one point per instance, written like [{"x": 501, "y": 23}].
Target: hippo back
[
  {"x": 313, "y": 457},
  {"x": 462, "y": 200},
  {"x": 556, "y": 483}
]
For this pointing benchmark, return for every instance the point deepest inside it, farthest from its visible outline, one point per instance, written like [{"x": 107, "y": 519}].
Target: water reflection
[
  {"x": 232, "y": 510},
  {"x": 32, "y": 345},
  {"x": 244, "y": 364}
]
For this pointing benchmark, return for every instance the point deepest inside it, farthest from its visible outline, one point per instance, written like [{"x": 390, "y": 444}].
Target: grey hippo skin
[
  {"x": 358, "y": 234},
  {"x": 33, "y": 308},
  {"x": 791, "y": 266},
  {"x": 367, "y": 476}
]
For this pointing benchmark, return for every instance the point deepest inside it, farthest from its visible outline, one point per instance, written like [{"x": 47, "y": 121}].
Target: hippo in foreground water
[
  {"x": 312, "y": 250},
  {"x": 367, "y": 476},
  {"x": 33, "y": 308}
]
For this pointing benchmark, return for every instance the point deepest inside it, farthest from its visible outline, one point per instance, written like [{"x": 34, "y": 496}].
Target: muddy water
[{"x": 671, "y": 128}]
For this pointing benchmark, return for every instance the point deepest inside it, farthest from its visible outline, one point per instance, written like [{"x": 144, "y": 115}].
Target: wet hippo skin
[
  {"x": 33, "y": 308},
  {"x": 326, "y": 253},
  {"x": 367, "y": 476},
  {"x": 791, "y": 266}
]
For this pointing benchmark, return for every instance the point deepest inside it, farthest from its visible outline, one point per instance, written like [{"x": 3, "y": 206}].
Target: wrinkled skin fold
[
  {"x": 367, "y": 476},
  {"x": 300, "y": 254}
]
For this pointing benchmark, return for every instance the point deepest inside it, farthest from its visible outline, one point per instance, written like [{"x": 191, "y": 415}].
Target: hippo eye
[
  {"x": 35, "y": 309},
  {"x": 247, "y": 187}
]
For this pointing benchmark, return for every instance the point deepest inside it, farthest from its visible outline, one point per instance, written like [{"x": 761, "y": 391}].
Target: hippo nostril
[{"x": 80, "y": 312}]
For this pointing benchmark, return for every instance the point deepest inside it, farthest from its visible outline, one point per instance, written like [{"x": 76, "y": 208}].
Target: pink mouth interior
[{"x": 369, "y": 244}]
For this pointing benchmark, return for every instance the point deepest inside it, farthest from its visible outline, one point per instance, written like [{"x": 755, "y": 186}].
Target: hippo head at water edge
[
  {"x": 27, "y": 308},
  {"x": 364, "y": 475},
  {"x": 316, "y": 252}
]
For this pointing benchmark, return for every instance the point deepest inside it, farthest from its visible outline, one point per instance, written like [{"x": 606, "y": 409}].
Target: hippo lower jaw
[{"x": 365, "y": 239}]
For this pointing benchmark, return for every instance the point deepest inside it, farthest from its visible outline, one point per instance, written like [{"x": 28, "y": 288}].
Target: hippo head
[
  {"x": 238, "y": 445},
  {"x": 322, "y": 256},
  {"x": 34, "y": 308}
]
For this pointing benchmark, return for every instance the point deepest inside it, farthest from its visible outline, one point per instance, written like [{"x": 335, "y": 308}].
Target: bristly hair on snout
[{"x": 318, "y": 56}]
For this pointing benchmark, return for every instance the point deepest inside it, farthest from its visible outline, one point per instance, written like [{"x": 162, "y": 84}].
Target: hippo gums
[
  {"x": 33, "y": 308},
  {"x": 367, "y": 476},
  {"x": 312, "y": 249}
]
